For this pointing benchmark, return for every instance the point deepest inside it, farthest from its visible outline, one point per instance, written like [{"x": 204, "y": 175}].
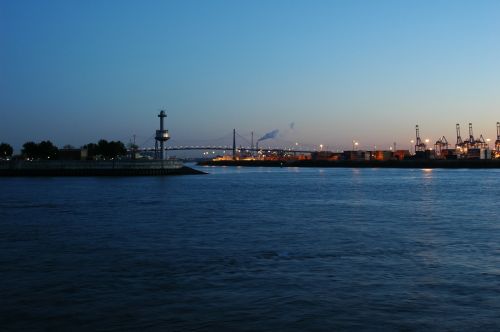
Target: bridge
[
  {"x": 249, "y": 146},
  {"x": 228, "y": 148}
]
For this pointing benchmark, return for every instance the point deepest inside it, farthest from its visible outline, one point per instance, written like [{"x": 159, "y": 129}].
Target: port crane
[
  {"x": 419, "y": 145},
  {"x": 497, "y": 142},
  {"x": 470, "y": 143},
  {"x": 441, "y": 145},
  {"x": 481, "y": 143},
  {"x": 460, "y": 143}
]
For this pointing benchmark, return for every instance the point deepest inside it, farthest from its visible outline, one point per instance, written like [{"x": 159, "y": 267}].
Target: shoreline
[
  {"x": 55, "y": 168},
  {"x": 416, "y": 163}
]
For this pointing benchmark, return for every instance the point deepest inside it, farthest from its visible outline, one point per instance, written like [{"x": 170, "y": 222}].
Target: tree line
[{"x": 47, "y": 150}]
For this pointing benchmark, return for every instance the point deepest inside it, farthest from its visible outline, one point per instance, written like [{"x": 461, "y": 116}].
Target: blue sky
[{"x": 77, "y": 71}]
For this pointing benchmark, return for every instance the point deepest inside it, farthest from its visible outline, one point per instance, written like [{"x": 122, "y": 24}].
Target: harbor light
[{"x": 161, "y": 137}]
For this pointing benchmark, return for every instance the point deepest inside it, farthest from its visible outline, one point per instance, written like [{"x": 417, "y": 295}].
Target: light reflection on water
[{"x": 253, "y": 249}]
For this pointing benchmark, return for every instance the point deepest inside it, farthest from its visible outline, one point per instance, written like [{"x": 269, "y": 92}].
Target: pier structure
[{"x": 94, "y": 168}]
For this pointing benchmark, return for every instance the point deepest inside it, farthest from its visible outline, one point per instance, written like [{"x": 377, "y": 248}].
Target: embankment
[
  {"x": 414, "y": 163},
  {"x": 95, "y": 168}
]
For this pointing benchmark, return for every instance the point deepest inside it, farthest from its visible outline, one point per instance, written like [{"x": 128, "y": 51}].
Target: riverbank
[
  {"x": 413, "y": 163},
  {"x": 95, "y": 168}
]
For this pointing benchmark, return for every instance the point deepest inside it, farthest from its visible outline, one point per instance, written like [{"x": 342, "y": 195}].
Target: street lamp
[{"x": 321, "y": 147}]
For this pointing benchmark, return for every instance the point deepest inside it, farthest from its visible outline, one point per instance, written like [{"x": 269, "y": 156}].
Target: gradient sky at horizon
[{"x": 77, "y": 71}]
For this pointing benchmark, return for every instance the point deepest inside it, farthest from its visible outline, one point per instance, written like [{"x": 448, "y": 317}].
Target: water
[{"x": 253, "y": 249}]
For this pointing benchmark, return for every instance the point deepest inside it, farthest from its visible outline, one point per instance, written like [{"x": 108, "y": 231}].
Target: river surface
[{"x": 253, "y": 249}]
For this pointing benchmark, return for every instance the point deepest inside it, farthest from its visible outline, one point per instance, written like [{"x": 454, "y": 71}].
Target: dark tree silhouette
[
  {"x": 111, "y": 149},
  {"x": 48, "y": 150},
  {"x": 30, "y": 150},
  {"x": 42, "y": 150},
  {"x": 6, "y": 150},
  {"x": 105, "y": 149}
]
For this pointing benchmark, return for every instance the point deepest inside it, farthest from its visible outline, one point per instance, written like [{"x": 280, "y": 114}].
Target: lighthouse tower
[{"x": 161, "y": 137}]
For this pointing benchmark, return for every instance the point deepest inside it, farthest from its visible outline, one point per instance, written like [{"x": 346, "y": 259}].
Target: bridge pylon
[{"x": 234, "y": 144}]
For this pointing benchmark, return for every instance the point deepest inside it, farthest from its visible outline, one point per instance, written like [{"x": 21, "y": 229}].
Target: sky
[{"x": 320, "y": 72}]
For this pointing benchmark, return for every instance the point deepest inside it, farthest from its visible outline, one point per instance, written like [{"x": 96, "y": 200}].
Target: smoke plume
[{"x": 269, "y": 135}]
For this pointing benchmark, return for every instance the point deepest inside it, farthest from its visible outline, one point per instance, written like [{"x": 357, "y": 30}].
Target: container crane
[
  {"x": 419, "y": 145},
  {"x": 481, "y": 143},
  {"x": 460, "y": 143},
  {"x": 470, "y": 142},
  {"x": 441, "y": 145},
  {"x": 497, "y": 142}
]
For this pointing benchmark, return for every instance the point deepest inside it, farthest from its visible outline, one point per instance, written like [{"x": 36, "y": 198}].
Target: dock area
[
  {"x": 412, "y": 163},
  {"x": 94, "y": 168}
]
